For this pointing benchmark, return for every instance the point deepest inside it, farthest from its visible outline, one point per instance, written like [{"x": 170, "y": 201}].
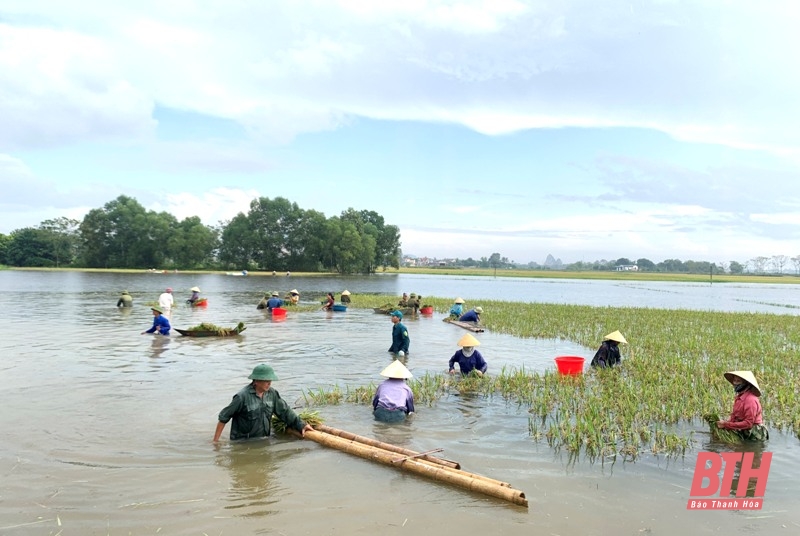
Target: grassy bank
[{"x": 671, "y": 374}]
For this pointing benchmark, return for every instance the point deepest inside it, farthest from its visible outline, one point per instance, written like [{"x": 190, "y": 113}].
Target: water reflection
[
  {"x": 254, "y": 468},
  {"x": 750, "y": 454},
  {"x": 159, "y": 345}
]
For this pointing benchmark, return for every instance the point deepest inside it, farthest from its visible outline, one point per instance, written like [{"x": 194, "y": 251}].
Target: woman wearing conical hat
[
  {"x": 457, "y": 309},
  {"x": 468, "y": 358},
  {"x": 345, "y": 297},
  {"x": 608, "y": 353},
  {"x": 393, "y": 399},
  {"x": 746, "y": 417}
]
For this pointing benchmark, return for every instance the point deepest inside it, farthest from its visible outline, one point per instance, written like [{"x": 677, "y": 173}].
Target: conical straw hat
[
  {"x": 396, "y": 370},
  {"x": 345, "y": 293},
  {"x": 459, "y": 300},
  {"x": 747, "y": 376},
  {"x": 615, "y": 336},
  {"x": 195, "y": 289},
  {"x": 468, "y": 340},
  {"x": 294, "y": 291}
]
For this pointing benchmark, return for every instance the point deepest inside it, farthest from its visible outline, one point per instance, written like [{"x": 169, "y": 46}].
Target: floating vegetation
[
  {"x": 307, "y": 416},
  {"x": 671, "y": 373}
]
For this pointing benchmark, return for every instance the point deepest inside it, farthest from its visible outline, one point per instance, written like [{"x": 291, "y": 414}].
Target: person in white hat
[
  {"x": 473, "y": 315},
  {"x": 345, "y": 298},
  {"x": 294, "y": 297},
  {"x": 608, "y": 354},
  {"x": 195, "y": 295},
  {"x": 468, "y": 358},
  {"x": 274, "y": 301},
  {"x": 393, "y": 399},
  {"x": 746, "y": 417},
  {"x": 457, "y": 308}
]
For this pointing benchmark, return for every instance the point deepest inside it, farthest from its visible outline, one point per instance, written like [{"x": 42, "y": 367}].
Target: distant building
[{"x": 627, "y": 268}]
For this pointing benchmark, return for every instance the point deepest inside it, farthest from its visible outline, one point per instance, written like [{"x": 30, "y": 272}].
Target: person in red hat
[{"x": 166, "y": 301}]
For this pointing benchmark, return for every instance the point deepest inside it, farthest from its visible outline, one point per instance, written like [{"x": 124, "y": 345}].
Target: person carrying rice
[{"x": 746, "y": 419}]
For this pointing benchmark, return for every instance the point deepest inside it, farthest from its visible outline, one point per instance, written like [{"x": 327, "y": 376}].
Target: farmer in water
[
  {"x": 746, "y": 417},
  {"x": 608, "y": 353}
]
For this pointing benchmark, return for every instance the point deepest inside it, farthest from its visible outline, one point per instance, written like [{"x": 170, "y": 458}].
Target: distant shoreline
[{"x": 475, "y": 272}]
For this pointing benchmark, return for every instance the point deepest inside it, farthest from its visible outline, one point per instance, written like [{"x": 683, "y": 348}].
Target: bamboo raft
[
  {"x": 388, "y": 310},
  {"x": 471, "y": 326},
  {"x": 420, "y": 463}
]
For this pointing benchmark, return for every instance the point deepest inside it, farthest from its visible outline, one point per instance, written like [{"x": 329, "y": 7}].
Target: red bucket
[
  {"x": 277, "y": 311},
  {"x": 426, "y": 310},
  {"x": 202, "y": 302},
  {"x": 571, "y": 365}
]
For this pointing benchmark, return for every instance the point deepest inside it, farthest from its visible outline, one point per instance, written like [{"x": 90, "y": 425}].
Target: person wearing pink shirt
[{"x": 746, "y": 417}]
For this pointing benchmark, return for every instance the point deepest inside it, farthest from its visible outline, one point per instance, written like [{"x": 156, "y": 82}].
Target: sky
[{"x": 586, "y": 130}]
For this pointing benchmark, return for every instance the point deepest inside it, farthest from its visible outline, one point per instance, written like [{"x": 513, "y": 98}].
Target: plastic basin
[
  {"x": 426, "y": 310},
  {"x": 278, "y": 311},
  {"x": 339, "y": 308},
  {"x": 570, "y": 365}
]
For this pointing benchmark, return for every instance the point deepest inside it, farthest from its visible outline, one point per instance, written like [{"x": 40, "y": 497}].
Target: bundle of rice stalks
[
  {"x": 720, "y": 434},
  {"x": 309, "y": 417},
  {"x": 223, "y": 332}
]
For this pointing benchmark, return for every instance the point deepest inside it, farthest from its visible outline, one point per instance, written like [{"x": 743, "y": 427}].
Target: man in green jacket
[{"x": 252, "y": 409}]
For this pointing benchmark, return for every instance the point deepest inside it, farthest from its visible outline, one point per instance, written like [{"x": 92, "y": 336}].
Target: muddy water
[{"x": 106, "y": 431}]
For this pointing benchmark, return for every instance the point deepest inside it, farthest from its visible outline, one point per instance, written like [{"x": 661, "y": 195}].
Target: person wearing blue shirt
[
  {"x": 274, "y": 301},
  {"x": 468, "y": 358},
  {"x": 160, "y": 323},
  {"x": 473, "y": 315},
  {"x": 400, "y": 339},
  {"x": 457, "y": 309}
]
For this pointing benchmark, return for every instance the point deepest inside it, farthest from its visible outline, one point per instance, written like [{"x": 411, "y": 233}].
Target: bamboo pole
[
  {"x": 447, "y": 464},
  {"x": 439, "y": 473},
  {"x": 385, "y": 446}
]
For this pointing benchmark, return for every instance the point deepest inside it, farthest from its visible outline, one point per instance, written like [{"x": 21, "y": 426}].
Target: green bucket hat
[
  {"x": 157, "y": 309},
  {"x": 263, "y": 372}
]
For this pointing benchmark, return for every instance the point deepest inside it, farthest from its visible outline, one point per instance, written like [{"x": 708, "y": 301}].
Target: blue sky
[{"x": 586, "y": 130}]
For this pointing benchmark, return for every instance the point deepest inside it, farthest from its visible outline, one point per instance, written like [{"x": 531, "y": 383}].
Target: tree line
[
  {"x": 275, "y": 234},
  {"x": 777, "y": 264}
]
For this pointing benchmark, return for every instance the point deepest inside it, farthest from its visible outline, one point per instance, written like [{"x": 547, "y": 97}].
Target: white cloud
[
  {"x": 212, "y": 206},
  {"x": 702, "y": 72}
]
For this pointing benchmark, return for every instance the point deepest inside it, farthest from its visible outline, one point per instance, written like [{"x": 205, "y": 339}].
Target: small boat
[
  {"x": 339, "y": 307},
  {"x": 242, "y": 273},
  {"x": 202, "y": 302},
  {"x": 240, "y": 327}
]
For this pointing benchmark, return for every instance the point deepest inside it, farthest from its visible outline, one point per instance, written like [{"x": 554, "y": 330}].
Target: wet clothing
[
  {"x": 160, "y": 323},
  {"x": 403, "y": 301},
  {"x": 470, "y": 316},
  {"x": 125, "y": 301},
  {"x": 607, "y": 355},
  {"x": 456, "y": 310},
  {"x": 294, "y": 299},
  {"x": 274, "y": 302},
  {"x": 166, "y": 301},
  {"x": 329, "y": 303},
  {"x": 468, "y": 364},
  {"x": 263, "y": 303},
  {"x": 393, "y": 400},
  {"x": 746, "y": 417},
  {"x": 400, "y": 339},
  {"x": 194, "y": 297},
  {"x": 345, "y": 298},
  {"x": 252, "y": 415}
]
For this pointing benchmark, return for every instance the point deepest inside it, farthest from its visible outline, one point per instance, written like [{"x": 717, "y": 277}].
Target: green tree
[
  {"x": 236, "y": 250},
  {"x": 30, "y": 247},
  {"x": 192, "y": 244},
  {"x": 64, "y": 237},
  {"x": 646, "y": 265},
  {"x": 5, "y": 240}
]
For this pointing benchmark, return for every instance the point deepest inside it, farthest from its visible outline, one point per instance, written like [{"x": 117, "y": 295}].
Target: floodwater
[{"x": 106, "y": 431}]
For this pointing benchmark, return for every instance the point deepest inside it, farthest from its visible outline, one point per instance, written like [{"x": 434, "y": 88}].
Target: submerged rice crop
[{"x": 671, "y": 376}]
